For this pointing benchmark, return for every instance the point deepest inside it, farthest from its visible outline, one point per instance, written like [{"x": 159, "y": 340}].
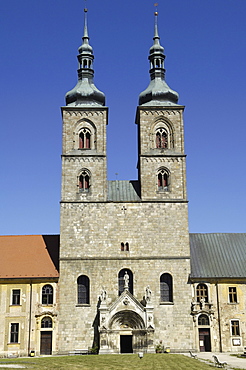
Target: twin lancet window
[
  {"x": 163, "y": 180},
  {"x": 85, "y": 139},
  {"x": 162, "y": 142},
  {"x": 124, "y": 247},
  {"x": 161, "y": 139},
  {"x": 84, "y": 182}
]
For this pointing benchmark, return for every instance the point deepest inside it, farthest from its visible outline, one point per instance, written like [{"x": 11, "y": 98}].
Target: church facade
[
  {"x": 130, "y": 278},
  {"x": 112, "y": 231}
]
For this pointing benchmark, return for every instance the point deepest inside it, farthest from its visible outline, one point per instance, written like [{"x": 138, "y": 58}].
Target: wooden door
[
  {"x": 204, "y": 340},
  {"x": 46, "y": 343}
]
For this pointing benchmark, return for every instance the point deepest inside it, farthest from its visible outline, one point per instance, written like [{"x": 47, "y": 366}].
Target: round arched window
[
  {"x": 203, "y": 320},
  {"x": 46, "y": 322}
]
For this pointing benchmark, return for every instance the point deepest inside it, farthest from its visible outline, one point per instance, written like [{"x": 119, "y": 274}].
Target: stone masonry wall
[
  {"x": 97, "y": 229},
  {"x": 78, "y": 323}
]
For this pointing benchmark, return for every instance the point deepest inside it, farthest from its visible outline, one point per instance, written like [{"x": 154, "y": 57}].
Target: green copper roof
[
  {"x": 218, "y": 255},
  {"x": 158, "y": 93},
  {"x": 125, "y": 191},
  {"x": 85, "y": 92}
]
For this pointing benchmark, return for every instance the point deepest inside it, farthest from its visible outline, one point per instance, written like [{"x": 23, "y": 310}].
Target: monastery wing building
[{"x": 131, "y": 278}]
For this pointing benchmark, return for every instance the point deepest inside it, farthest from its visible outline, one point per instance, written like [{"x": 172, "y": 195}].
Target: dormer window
[{"x": 84, "y": 139}]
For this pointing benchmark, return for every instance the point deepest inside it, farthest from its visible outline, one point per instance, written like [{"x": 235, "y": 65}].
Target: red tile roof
[{"x": 29, "y": 256}]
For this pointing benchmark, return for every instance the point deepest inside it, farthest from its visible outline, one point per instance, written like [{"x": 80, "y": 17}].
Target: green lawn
[{"x": 111, "y": 362}]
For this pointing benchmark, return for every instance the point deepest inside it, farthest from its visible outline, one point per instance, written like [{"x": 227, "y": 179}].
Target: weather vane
[{"x": 156, "y": 9}]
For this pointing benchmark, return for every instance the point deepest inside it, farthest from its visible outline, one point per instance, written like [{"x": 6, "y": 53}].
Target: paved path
[{"x": 232, "y": 361}]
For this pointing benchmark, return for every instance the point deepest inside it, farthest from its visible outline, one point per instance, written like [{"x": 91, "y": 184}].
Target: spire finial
[
  {"x": 85, "y": 92},
  {"x": 158, "y": 92},
  {"x": 156, "y": 8},
  {"x": 156, "y": 35},
  {"x": 85, "y": 23}
]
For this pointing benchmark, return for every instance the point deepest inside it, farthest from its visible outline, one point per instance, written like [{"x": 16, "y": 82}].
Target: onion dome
[
  {"x": 158, "y": 92},
  {"x": 85, "y": 92}
]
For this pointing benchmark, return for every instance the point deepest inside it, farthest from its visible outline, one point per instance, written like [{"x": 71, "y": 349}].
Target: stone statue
[
  {"x": 126, "y": 280},
  {"x": 103, "y": 294},
  {"x": 148, "y": 294},
  {"x": 202, "y": 303}
]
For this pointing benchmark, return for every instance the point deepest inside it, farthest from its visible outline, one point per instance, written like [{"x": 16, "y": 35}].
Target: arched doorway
[
  {"x": 128, "y": 332},
  {"x": 46, "y": 336}
]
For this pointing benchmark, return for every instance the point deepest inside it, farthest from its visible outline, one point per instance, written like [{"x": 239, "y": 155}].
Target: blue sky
[{"x": 205, "y": 62}]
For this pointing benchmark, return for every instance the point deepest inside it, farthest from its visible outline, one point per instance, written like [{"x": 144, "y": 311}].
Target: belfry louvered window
[
  {"x": 83, "y": 284},
  {"x": 166, "y": 288}
]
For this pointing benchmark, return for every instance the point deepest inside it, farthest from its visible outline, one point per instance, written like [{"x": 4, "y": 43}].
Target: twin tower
[{"x": 124, "y": 253}]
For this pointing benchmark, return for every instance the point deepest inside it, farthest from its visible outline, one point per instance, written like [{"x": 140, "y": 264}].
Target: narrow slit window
[
  {"x": 166, "y": 288},
  {"x": 83, "y": 286}
]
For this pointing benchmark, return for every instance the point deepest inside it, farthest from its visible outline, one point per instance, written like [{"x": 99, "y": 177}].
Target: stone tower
[{"x": 124, "y": 254}]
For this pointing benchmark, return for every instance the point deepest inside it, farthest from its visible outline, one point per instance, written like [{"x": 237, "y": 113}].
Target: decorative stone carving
[
  {"x": 162, "y": 112},
  {"x": 82, "y": 113},
  {"x": 103, "y": 295},
  {"x": 126, "y": 301}
]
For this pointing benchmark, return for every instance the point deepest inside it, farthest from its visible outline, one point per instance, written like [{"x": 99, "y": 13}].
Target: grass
[{"x": 111, "y": 362}]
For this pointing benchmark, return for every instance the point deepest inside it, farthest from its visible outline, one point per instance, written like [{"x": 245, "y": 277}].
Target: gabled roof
[
  {"x": 218, "y": 255},
  {"x": 123, "y": 190},
  {"x": 29, "y": 256}
]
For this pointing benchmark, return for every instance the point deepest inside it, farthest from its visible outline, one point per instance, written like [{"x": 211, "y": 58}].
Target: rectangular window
[
  {"x": 16, "y": 296},
  {"x": 14, "y": 333},
  {"x": 235, "y": 327},
  {"x": 232, "y": 294}
]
